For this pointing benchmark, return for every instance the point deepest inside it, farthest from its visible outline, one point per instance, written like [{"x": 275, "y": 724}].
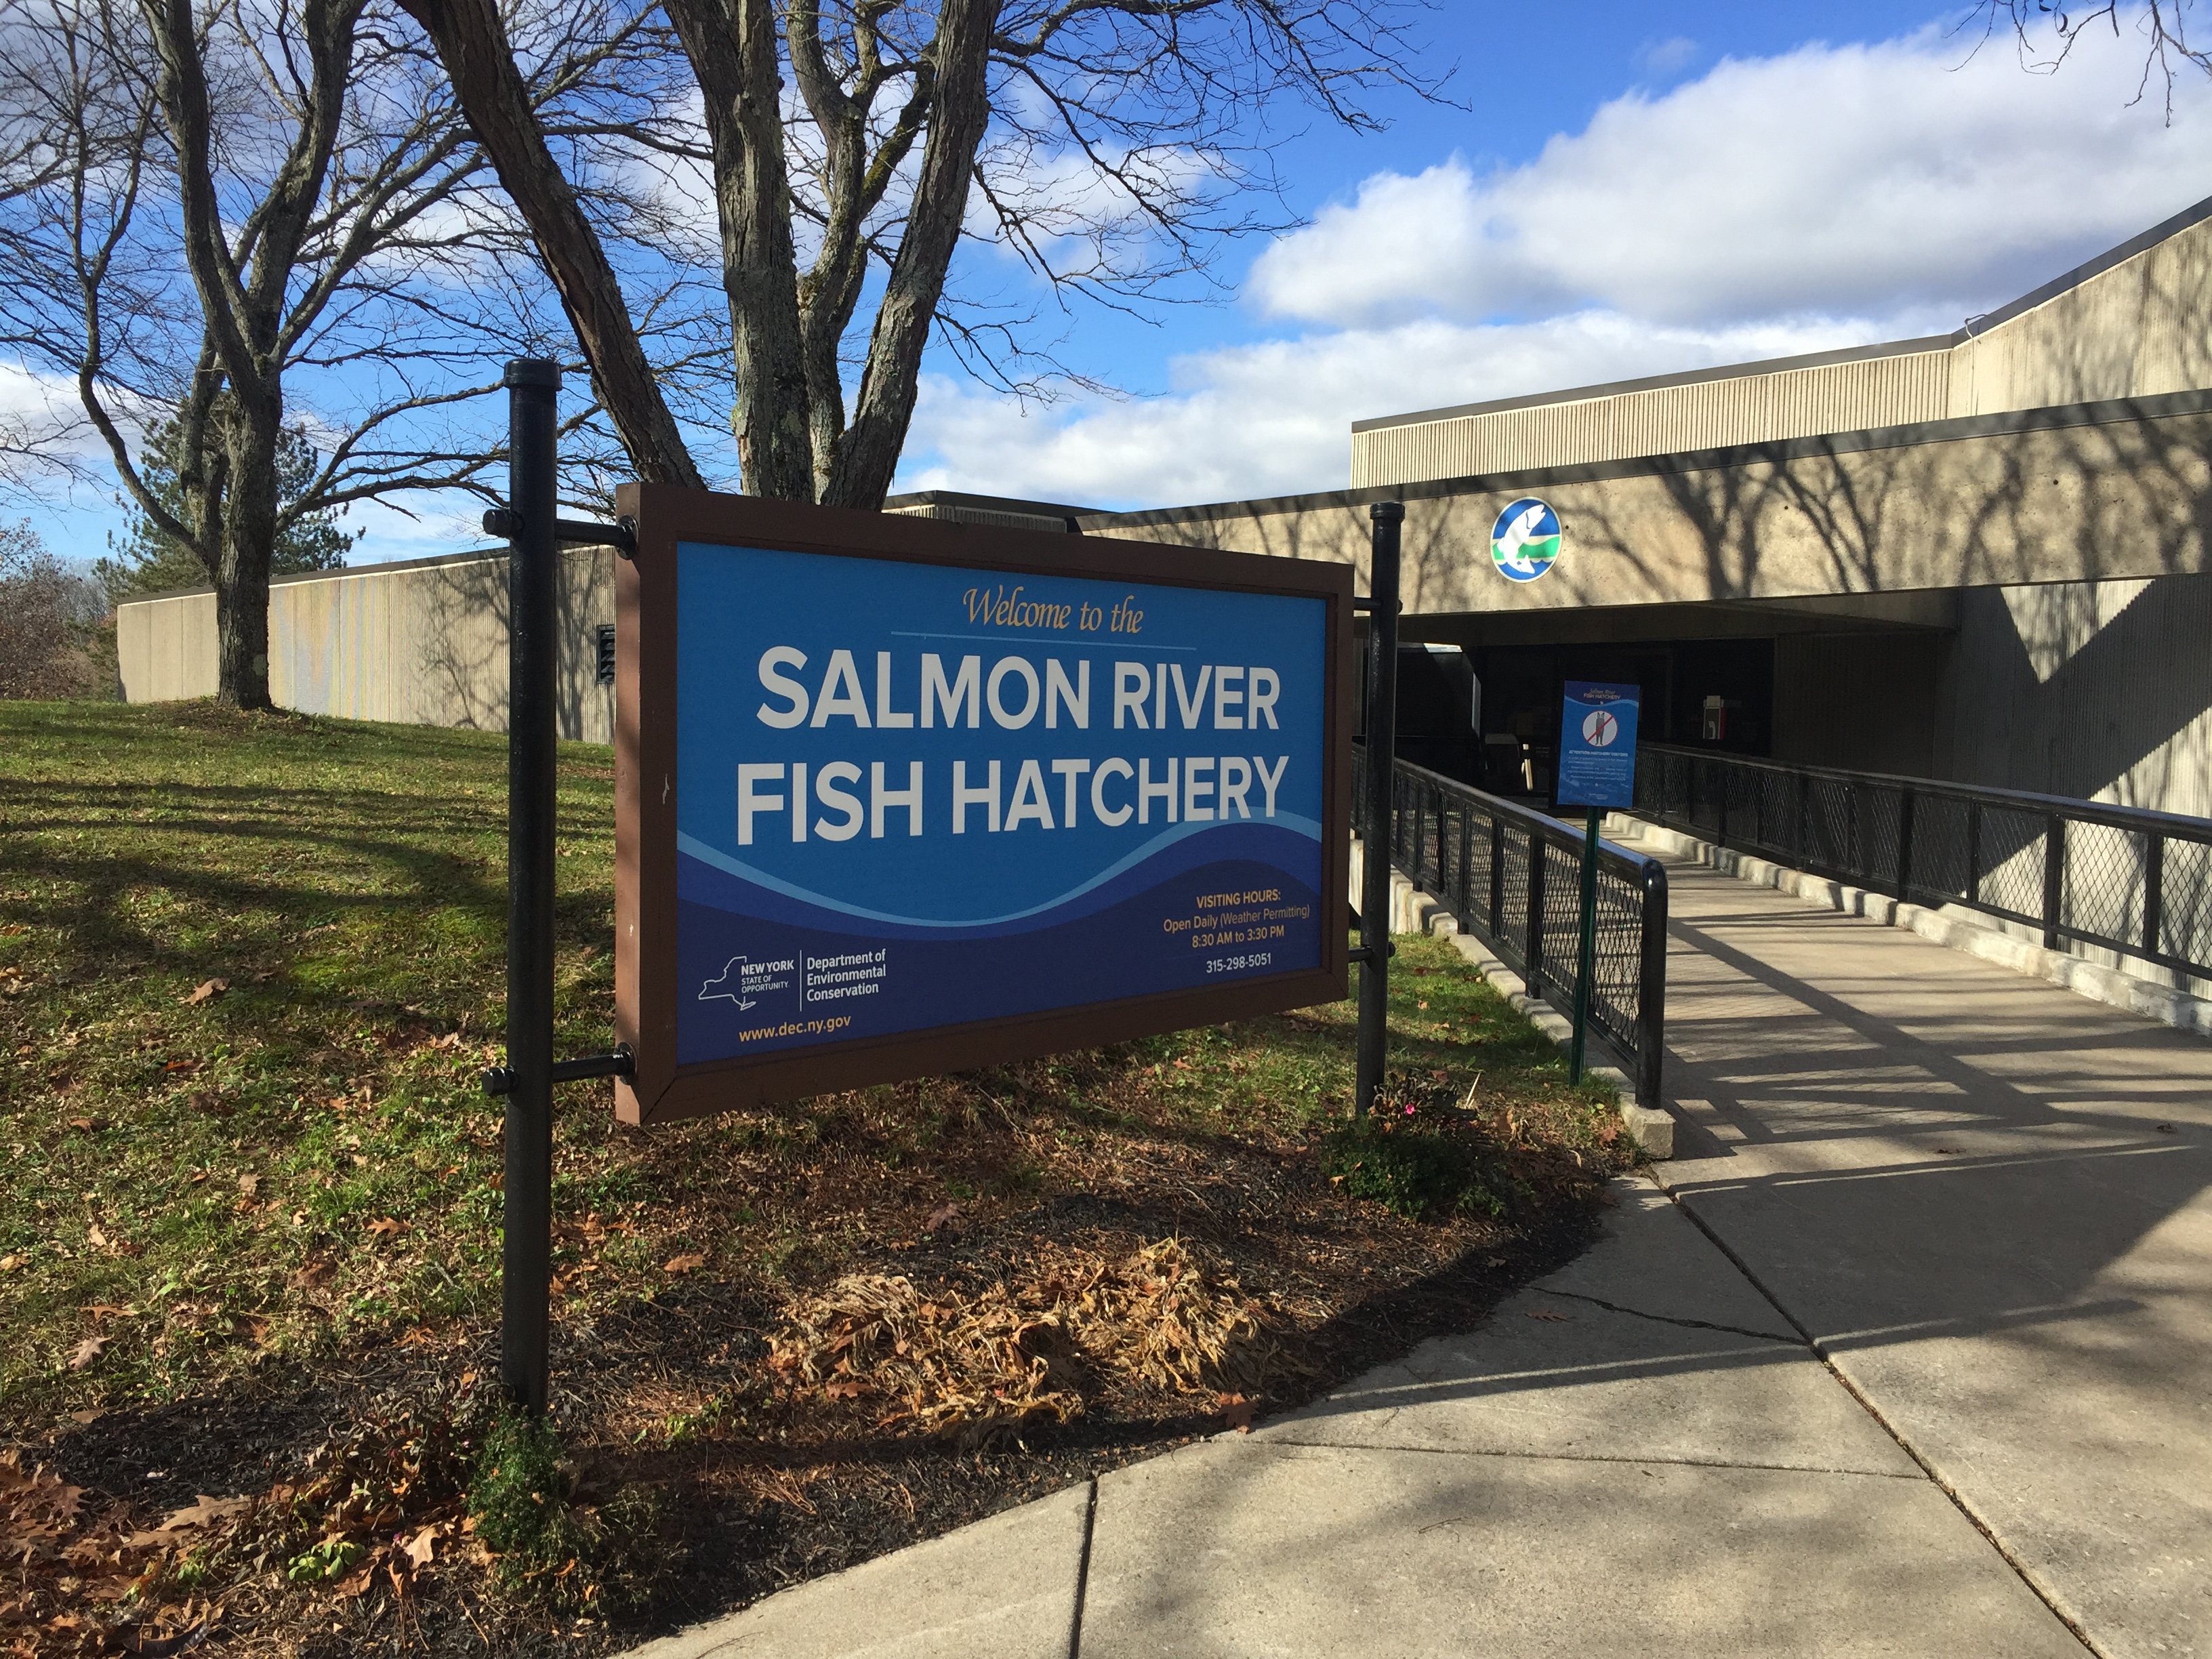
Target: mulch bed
[{"x": 777, "y": 1459}]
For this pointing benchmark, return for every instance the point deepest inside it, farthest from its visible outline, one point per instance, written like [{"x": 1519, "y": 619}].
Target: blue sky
[
  {"x": 1630, "y": 189},
  {"x": 1634, "y": 190},
  {"x": 1523, "y": 74}
]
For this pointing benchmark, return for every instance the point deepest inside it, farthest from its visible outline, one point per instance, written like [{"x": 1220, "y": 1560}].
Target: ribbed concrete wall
[
  {"x": 165, "y": 647},
  {"x": 1793, "y": 404},
  {"x": 2135, "y": 331},
  {"x": 422, "y": 644},
  {"x": 1869, "y": 703},
  {"x": 2097, "y": 689},
  {"x": 2124, "y": 495}
]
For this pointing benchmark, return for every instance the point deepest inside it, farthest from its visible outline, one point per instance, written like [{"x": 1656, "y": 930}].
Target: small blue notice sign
[{"x": 1597, "y": 746}]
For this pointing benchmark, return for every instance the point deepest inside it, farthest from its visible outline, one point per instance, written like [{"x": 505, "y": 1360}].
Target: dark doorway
[{"x": 1717, "y": 693}]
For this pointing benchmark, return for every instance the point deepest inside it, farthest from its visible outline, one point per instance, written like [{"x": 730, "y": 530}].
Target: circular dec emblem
[
  {"x": 1601, "y": 729},
  {"x": 1525, "y": 540}
]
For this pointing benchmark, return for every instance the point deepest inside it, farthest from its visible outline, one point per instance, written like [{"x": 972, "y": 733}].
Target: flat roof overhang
[{"x": 1935, "y": 611}]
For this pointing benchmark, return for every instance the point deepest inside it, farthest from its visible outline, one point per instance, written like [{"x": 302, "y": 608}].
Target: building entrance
[{"x": 1714, "y": 693}]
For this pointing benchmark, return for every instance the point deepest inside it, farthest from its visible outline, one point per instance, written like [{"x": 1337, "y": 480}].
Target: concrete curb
[
  {"x": 1952, "y": 926},
  {"x": 1413, "y": 911}
]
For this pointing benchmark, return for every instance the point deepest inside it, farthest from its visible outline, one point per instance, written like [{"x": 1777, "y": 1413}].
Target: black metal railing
[
  {"x": 1510, "y": 876},
  {"x": 2136, "y": 882}
]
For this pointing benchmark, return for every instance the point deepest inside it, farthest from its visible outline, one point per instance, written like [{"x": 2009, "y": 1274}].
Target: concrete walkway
[
  {"x": 1907, "y": 1350},
  {"x": 1989, "y": 1202}
]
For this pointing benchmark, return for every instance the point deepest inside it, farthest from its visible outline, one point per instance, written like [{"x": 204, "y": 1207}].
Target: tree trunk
[
  {"x": 471, "y": 42},
  {"x": 733, "y": 49},
  {"x": 249, "y": 538},
  {"x": 868, "y": 454}
]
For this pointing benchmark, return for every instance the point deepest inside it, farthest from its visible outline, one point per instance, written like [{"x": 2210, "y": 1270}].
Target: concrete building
[
  {"x": 1980, "y": 556},
  {"x": 424, "y": 641}
]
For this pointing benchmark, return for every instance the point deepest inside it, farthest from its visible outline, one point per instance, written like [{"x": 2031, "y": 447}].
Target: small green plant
[
  {"x": 616, "y": 1556},
  {"x": 631, "y": 1546},
  {"x": 1413, "y": 1156},
  {"x": 519, "y": 1499},
  {"x": 320, "y": 1563}
]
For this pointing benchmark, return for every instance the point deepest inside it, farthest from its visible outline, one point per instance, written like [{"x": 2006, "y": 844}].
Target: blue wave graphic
[{"x": 1227, "y": 837}]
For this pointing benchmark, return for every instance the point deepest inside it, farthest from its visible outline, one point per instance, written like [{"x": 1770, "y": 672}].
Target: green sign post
[{"x": 1597, "y": 771}]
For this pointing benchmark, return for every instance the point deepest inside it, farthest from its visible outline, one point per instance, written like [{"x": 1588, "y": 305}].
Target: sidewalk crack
[
  {"x": 1083, "y": 1572},
  {"x": 1668, "y": 1319}
]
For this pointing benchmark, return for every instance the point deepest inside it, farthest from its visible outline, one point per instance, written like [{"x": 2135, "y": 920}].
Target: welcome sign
[{"x": 898, "y": 796}]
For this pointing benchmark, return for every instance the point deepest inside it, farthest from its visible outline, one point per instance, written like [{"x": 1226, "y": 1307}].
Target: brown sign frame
[{"x": 646, "y": 986}]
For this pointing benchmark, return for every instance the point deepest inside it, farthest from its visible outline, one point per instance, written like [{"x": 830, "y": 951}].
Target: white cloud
[
  {"x": 418, "y": 525},
  {"x": 1829, "y": 197},
  {"x": 1275, "y": 418},
  {"x": 1667, "y": 57},
  {"x": 1852, "y": 181}
]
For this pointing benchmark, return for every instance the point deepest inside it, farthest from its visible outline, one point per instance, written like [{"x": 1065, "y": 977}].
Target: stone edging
[
  {"x": 1413, "y": 911},
  {"x": 1953, "y": 925}
]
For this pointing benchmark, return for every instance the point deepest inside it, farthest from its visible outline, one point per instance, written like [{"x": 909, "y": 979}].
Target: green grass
[{"x": 305, "y": 1160}]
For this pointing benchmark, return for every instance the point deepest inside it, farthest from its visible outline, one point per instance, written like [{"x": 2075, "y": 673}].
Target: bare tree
[
  {"x": 854, "y": 144},
  {"x": 2162, "y": 25},
  {"x": 237, "y": 199},
  {"x": 47, "y": 613}
]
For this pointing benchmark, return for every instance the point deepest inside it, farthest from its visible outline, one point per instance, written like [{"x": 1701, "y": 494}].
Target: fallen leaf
[
  {"x": 310, "y": 1274},
  {"x": 1545, "y": 1313},
  {"x": 88, "y": 1416},
  {"x": 386, "y": 1228},
  {"x": 93, "y": 1237},
  {"x": 9, "y": 1263},
  {"x": 845, "y": 1388},
  {"x": 1237, "y": 1412},
  {"x": 419, "y": 1548},
  {"x": 683, "y": 1264},
  {"x": 351, "y": 1588},
  {"x": 86, "y": 1351},
  {"x": 255, "y": 1327},
  {"x": 179, "y": 1067},
  {"x": 941, "y": 1218},
  {"x": 206, "y": 991},
  {"x": 205, "y": 1511}
]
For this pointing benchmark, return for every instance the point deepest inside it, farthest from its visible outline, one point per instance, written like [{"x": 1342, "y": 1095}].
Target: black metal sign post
[
  {"x": 534, "y": 532},
  {"x": 533, "y": 388},
  {"x": 1586, "y": 956},
  {"x": 1374, "y": 953}
]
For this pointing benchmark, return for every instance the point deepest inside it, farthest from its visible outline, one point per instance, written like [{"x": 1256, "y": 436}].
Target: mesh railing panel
[
  {"x": 1939, "y": 848},
  {"x": 2105, "y": 888},
  {"x": 1464, "y": 847},
  {"x": 2185, "y": 900},
  {"x": 1937, "y": 844},
  {"x": 2011, "y": 861}
]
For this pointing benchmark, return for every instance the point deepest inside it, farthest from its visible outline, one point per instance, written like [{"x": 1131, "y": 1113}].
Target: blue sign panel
[
  {"x": 1597, "y": 746},
  {"x": 913, "y": 795}
]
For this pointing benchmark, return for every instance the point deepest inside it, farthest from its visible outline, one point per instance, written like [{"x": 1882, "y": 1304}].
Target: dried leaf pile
[
  {"x": 59, "y": 1557},
  {"x": 968, "y": 1368},
  {"x": 380, "y": 1504}
]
